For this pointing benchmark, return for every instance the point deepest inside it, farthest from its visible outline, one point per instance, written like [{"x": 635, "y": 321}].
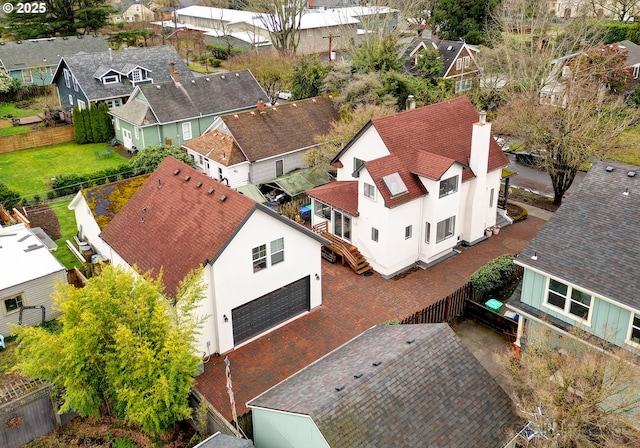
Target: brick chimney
[
  {"x": 173, "y": 72},
  {"x": 260, "y": 106}
]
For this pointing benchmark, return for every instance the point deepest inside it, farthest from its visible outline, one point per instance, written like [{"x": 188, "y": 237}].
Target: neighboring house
[
  {"x": 178, "y": 110},
  {"x": 138, "y": 12},
  {"x": 581, "y": 269},
  {"x": 247, "y": 29},
  {"x": 29, "y": 276},
  {"x": 111, "y": 76},
  {"x": 391, "y": 386},
  {"x": 95, "y": 207},
  {"x": 34, "y": 61},
  {"x": 258, "y": 146},
  {"x": 460, "y": 60},
  {"x": 219, "y": 440},
  {"x": 414, "y": 185},
  {"x": 633, "y": 60},
  {"x": 260, "y": 268}
]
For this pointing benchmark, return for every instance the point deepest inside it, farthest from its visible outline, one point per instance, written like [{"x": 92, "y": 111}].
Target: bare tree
[
  {"x": 272, "y": 71},
  {"x": 282, "y": 19},
  {"x": 623, "y": 10},
  {"x": 575, "y": 394}
]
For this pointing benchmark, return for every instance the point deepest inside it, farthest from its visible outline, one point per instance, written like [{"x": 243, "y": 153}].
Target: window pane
[
  {"x": 374, "y": 234},
  {"x": 13, "y": 303},
  {"x": 581, "y": 297},
  {"x": 277, "y": 257},
  {"x": 636, "y": 321},
  {"x": 277, "y": 245},
  {"x": 427, "y": 232},
  {"x": 259, "y": 257},
  {"x": 346, "y": 227},
  {"x": 556, "y": 300},
  {"x": 560, "y": 288},
  {"x": 407, "y": 232},
  {"x": 635, "y": 330},
  {"x": 579, "y": 310}
]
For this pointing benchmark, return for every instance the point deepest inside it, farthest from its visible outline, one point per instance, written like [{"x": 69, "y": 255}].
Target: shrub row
[
  {"x": 65, "y": 184},
  {"x": 494, "y": 275}
]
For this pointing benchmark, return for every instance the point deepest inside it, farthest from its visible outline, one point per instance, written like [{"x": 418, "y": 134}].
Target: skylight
[{"x": 395, "y": 185}]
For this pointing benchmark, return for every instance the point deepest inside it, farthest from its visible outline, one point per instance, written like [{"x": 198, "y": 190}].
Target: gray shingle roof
[
  {"x": 592, "y": 240},
  {"x": 136, "y": 112},
  {"x": 633, "y": 57},
  {"x": 219, "y": 440},
  {"x": 430, "y": 393},
  {"x": 213, "y": 94},
  {"x": 156, "y": 59},
  {"x": 31, "y": 53}
]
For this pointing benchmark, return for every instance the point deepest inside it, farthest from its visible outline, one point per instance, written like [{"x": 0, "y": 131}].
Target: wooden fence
[
  {"x": 34, "y": 139},
  {"x": 445, "y": 309},
  {"x": 28, "y": 92}
]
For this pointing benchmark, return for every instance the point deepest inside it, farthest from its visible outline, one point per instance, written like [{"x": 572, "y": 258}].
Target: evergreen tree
[
  {"x": 106, "y": 128},
  {"x": 78, "y": 126},
  {"x": 308, "y": 76}
]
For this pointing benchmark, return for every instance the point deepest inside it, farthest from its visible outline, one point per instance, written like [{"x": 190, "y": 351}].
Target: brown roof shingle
[
  {"x": 173, "y": 225},
  {"x": 283, "y": 128},
  {"x": 342, "y": 195},
  {"x": 218, "y": 146}
]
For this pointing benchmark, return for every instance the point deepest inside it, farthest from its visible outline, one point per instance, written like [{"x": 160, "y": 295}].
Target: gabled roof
[
  {"x": 196, "y": 97},
  {"x": 23, "y": 257},
  {"x": 18, "y": 55},
  {"x": 448, "y": 50},
  {"x": 174, "y": 225},
  {"x": 388, "y": 165},
  {"x": 592, "y": 240},
  {"x": 156, "y": 59},
  {"x": 633, "y": 55},
  {"x": 217, "y": 146},
  {"x": 283, "y": 128},
  {"x": 398, "y": 386},
  {"x": 341, "y": 195}
]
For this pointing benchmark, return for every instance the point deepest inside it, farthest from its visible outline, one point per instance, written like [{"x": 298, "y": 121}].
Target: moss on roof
[{"x": 107, "y": 200}]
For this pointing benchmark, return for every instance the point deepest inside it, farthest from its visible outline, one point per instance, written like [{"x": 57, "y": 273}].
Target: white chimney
[
  {"x": 479, "y": 162},
  {"x": 411, "y": 102}
]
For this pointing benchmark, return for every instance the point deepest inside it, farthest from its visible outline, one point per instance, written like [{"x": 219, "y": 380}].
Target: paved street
[{"x": 536, "y": 180}]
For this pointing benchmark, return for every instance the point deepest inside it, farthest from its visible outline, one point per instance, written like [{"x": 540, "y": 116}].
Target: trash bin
[
  {"x": 305, "y": 212},
  {"x": 494, "y": 305}
]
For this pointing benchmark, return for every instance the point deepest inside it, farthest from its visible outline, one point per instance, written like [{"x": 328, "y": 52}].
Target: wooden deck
[{"x": 349, "y": 253}]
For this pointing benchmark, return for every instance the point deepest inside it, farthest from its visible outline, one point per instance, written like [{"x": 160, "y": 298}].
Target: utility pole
[{"x": 330, "y": 37}]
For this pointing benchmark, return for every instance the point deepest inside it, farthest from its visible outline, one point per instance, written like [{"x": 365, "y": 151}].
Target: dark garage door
[{"x": 270, "y": 310}]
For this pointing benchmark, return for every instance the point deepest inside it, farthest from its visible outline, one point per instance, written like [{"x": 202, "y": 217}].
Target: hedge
[
  {"x": 494, "y": 275},
  {"x": 65, "y": 184}
]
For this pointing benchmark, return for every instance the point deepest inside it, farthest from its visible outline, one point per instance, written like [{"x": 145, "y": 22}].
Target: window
[
  {"x": 277, "y": 251},
  {"x": 369, "y": 191},
  {"x": 112, "y": 79},
  {"x": 136, "y": 75},
  {"x": 466, "y": 61},
  {"x": 82, "y": 105},
  {"x": 75, "y": 83},
  {"x": 220, "y": 176},
  {"x": 186, "y": 131},
  {"x": 342, "y": 225},
  {"x": 117, "y": 123},
  {"x": 407, "y": 232},
  {"x": 491, "y": 197},
  {"x": 357, "y": 163},
  {"x": 259, "y": 255},
  {"x": 374, "y": 234},
  {"x": 445, "y": 229},
  {"x": 427, "y": 232},
  {"x": 136, "y": 132},
  {"x": 26, "y": 76},
  {"x": 636, "y": 71},
  {"x": 66, "y": 78},
  {"x": 279, "y": 168},
  {"x": 13, "y": 304},
  {"x": 70, "y": 100},
  {"x": 458, "y": 64},
  {"x": 322, "y": 210},
  {"x": 570, "y": 300},
  {"x": 201, "y": 160},
  {"x": 635, "y": 329},
  {"x": 463, "y": 85},
  {"x": 113, "y": 103},
  {"x": 448, "y": 186}
]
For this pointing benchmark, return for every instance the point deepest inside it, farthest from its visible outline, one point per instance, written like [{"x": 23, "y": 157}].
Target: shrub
[
  {"x": 8, "y": 198},
  {"x": 214, "y": 62},
  {"x": 494, "y": 275},
  {"x": 65, "y": 184}
]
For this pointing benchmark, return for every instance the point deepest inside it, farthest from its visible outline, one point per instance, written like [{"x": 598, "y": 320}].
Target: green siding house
[
  {"x": 176, "y": 111},
  {"x": 581, "y": 270}
]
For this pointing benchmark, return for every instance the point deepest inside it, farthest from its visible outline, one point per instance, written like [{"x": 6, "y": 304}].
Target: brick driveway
[{"x": 351, "y": 304}]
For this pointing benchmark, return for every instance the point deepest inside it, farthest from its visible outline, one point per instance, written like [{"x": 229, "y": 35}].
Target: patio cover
[
  {"x": 299, "y": 181},
  {"x": 253, "y": 192}
]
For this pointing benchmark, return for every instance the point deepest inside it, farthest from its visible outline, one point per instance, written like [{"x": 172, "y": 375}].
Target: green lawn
[
  {"x": 630, "y": 148},
  {"x": 29, "y": 171},
  {"x": 10, "y": 110},
  {"x": 68, "y": 228}
]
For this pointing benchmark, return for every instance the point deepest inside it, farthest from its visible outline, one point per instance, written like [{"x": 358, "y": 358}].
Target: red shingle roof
[
  {"x": 341, "y": 195},
  {"x": 218, "y": 146},
  {"x": 389, "y": 165},
  {"x": 174, "y": 225}
]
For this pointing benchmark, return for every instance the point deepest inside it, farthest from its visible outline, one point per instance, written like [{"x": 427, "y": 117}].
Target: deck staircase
[{"x": 349, "y": 253}]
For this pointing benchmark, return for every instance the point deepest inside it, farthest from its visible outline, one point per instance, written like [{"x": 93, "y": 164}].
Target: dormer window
[
  {"x": 111, "y": 79},
  {"x": 136, "y": 75}
]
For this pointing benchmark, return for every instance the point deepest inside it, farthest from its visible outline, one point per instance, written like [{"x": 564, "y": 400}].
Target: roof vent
[
  {"x": 357, "y": 375},
  {"x": 176, "y": 172},
  {"x": 207, "y": 79},
  {"x": 144, "y": 209},
  {"x": 609, "y": 169},
  {"x": 631, "y": 174},
  {"x": 158, "y": 87},
  {"x": 222, "y": 77},
  {"x": 199, "y": 184},
  {"x": 159, "y": 184},
  {"x": 377, "y": 363},
  {"x": 210, "y": 191},
  {"x": 339, "y": 388},
  {"x": 223, "y": 198},
  {"x": 626, "y": 192},
  {"x": 187, "y": 178},
  {"x": 193, "y": 81},
  {"x": 65, "y": 38},
  {"x": 411, "y": 341},
  {"x": 237, "y": 75}
]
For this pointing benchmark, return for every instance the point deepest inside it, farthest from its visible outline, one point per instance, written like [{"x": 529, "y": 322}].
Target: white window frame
[
  {"x": 117, "y": 123},
  {"x": 71, "y": 100},
  {"x": 75, "y": 83},
  {"x": 66, "y": 78},
  {"x": 259, "y": 257},
  {"x": 445, "y": 229},
  {"x": 466, "y": 61},
  {"x": 113, "y": 102},
  {"x": 20, "y": 302},
  {"x": 633, "y": 326},
  {"x": 357, "y": 163},
  {"x": 445, "y": 188},
  {"x": 136, "y": 132},
  {"x": 186, "y": 131},
  {"x": 369, "y": 191},
  {"x": 111, "y": 79},
  {"x": 463, "y": 85},
  {"x": 459, "y": 64},
  {"x": 321, "y": 210},
  {"x": 408, "y": 232},
  {"x": 136, "y": 75},
  {"x": 26, "y": 75},
  {"x": 568, "y": 298},
  {"x": 277, "y": 251},
  {"x": 375, "y": 234},
  {"x": 81, "y": 104}
]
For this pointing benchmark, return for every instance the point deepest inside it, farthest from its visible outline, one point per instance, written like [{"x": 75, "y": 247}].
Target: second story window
[
  {"x": 136, "y": 75},
  {"x": 369, "y": 191},
  {"x": 448, "y": 186}
]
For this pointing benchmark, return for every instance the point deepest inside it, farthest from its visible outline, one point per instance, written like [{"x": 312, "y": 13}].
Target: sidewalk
[{"x": 351, "y": 304}]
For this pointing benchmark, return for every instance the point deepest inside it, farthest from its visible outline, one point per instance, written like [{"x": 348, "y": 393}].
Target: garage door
[{"x": 270, "y": 310}]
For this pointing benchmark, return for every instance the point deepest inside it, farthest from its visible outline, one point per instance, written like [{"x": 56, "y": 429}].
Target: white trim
[
  {"x": 373, "y": 189},
  {"x": 111, "y": 79},
  {"x": 13, "y": 296},
  {"x": 565, "y": 311},
  {"x": 628, "y": 340},
  {"x": 186, "y": 130}
]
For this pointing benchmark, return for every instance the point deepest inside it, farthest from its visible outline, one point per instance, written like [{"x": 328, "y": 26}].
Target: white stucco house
[
  {"x": 261, "y": 270},
  {"x": 28, "y": 276},
  {"x": 414, "y": 185}
]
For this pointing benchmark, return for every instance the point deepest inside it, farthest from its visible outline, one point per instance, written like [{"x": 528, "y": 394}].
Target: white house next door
[{"x": 126, "y": 139}]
